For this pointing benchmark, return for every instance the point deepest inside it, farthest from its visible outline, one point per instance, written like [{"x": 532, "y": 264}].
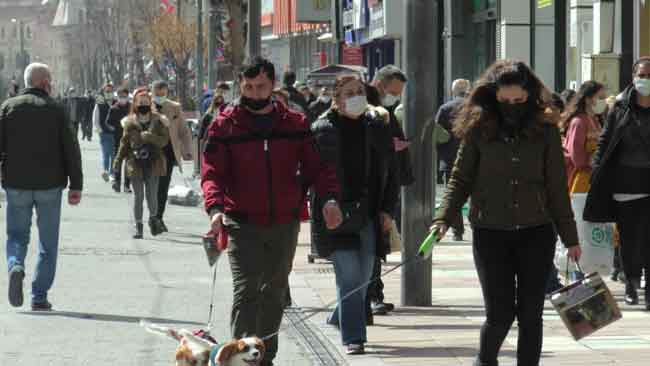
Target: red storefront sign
[
  {"x": 284, "y": 19},
  {"x": 352, "y": 55}
]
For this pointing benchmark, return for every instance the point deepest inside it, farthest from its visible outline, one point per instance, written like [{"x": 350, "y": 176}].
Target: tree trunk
[
  {"x": 236, "y": 32},
  {"x": 181, "y": 85}
]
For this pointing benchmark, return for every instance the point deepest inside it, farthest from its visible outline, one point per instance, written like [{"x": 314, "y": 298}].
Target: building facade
[{"x": 27, "y": 35}]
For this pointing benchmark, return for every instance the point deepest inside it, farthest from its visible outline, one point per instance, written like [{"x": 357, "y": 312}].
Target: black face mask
[
  {"x": 513, "y": 114},
  {"x": 255, "y": 104},
  {"x": 144, "y": 109}
]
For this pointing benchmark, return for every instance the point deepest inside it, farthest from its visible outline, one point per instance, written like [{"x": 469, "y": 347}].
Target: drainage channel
[{"x": 314, "y": 341}]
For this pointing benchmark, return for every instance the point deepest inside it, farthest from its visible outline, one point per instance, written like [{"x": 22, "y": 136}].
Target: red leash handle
[{"x": 222, "y": 239}]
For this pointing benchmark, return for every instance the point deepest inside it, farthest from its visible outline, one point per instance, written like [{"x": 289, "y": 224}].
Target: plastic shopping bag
[{"x": 597, "y": 241}]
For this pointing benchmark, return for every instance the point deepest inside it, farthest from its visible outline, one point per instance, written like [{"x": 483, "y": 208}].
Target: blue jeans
[
  {"x": 352, "y": 268},
  {"x": 107, "y": 142},
  {"x": 20, "y": 207}
]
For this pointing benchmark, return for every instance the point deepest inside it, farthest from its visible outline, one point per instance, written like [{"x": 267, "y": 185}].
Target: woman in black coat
[{"x": 358, "y": 139}]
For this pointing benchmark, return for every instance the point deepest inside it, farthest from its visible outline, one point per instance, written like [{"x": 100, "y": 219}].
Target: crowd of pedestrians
[{"x": 516, "y": 150}]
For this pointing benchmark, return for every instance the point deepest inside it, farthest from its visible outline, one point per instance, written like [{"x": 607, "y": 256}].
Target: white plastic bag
[{"x": 596, "y": 240}]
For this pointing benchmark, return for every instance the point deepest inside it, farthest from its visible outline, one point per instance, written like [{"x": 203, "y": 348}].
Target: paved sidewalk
[
  {"x": 446, "y": 334},
  {"x": 107, "y": 282}
]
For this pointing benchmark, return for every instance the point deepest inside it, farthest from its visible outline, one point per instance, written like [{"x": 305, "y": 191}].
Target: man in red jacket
[{"x": 253, "y": 154}]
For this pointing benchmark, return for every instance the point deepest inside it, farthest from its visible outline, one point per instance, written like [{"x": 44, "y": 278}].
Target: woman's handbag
[
  {"x": 355, "y": 217},
  {"x": 586, "y": 306}
]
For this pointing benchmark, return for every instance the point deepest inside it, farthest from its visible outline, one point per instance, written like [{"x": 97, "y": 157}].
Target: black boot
[
  {"x": 631, "y": 296},
  {"x": 155, "y": 227},
  {"x": 139, "y": 228},
  {"x": 163, "y": 227}
]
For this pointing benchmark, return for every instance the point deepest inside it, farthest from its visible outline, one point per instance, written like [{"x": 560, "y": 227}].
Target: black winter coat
[
  {"x": 446, "y": 114},
  {"x": 600, "y": 205},
  {"x": 383, "y": 172},
  {"x": 38, "y": 147},
  {"x": 114, "y": 119}
]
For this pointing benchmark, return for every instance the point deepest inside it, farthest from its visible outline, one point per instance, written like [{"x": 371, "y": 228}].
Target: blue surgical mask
[
  {"x": 159, "y": 100},
  {"x": 642, "y": 86}
]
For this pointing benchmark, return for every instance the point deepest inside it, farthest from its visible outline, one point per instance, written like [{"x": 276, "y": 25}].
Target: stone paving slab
[
  {"x": 107, "y": 282},
  {"x": 447, "y": 332}
]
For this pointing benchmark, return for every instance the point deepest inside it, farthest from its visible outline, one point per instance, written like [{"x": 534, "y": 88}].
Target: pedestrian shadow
[
  {"x": 186, "y": 235},
  {"x": 434, "y": 327},
  {"x": 450, "y": 311},
  {"x": 107, "y": 317},
  {"x": 391, "y": 351},
  {"x": 177, "y": 241}
]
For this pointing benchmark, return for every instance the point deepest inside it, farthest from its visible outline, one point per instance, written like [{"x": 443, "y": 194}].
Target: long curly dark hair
[
  {"x": 480, "y": 111},
  {"x": 578, "y": 105}
]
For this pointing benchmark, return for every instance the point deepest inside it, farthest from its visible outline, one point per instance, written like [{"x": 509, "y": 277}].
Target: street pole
[
  {"x": 179, "y": 6},
  {"x": 336, "y": 29},
  {"x": 212, "y": 43},
  {"x": 199, "y": 51},
  {"x": 422, "y": 64},
  {"x": 254, "y": 28}
]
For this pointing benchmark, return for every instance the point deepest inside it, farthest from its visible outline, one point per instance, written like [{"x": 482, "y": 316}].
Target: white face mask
[
  {"x": 642, "y": 86},
  {"x": 600, "y": 106},
  {"x": 390, "y": 100},
  {"x": 325, "y": 98},
  {"x": 355, "y": 106}
]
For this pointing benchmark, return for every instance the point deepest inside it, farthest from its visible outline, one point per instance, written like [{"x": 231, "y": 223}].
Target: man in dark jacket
[
  {"x": 620, "y": 183},
  {"x": 295, "y": 97},
  {"x": 389, "y": 84},
  {"x": 320, "y": 105},
  {"x": 447, "y": 151},
  {"x": 40, "y": 157},
  {"x": 249, "y": 168},
  {"x": 117, "y": 112}
]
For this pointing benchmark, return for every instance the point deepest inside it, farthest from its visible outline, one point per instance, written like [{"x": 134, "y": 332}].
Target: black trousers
[
  {"x": 376, "y": 289},
  {"x": 633, "y": 219},
  {"x": 513, "y": 267},
  {"x": 163, "y": 187}
]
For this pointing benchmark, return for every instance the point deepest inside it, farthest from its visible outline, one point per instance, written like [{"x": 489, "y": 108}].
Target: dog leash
[
  {"x": 423, "y": 253},
  {"x": 313, "y": 312},
  {"x": 214, "y": 281}
]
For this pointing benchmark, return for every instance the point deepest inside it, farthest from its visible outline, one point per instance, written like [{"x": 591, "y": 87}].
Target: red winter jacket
[{"x": 252, "y": 174}]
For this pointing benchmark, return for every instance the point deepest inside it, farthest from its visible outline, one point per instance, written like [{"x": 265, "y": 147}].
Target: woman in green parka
[{"x": 141, "y": 146}]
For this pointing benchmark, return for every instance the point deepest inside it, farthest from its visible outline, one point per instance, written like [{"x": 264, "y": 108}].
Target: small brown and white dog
[{"x": 194, "y": 350}]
